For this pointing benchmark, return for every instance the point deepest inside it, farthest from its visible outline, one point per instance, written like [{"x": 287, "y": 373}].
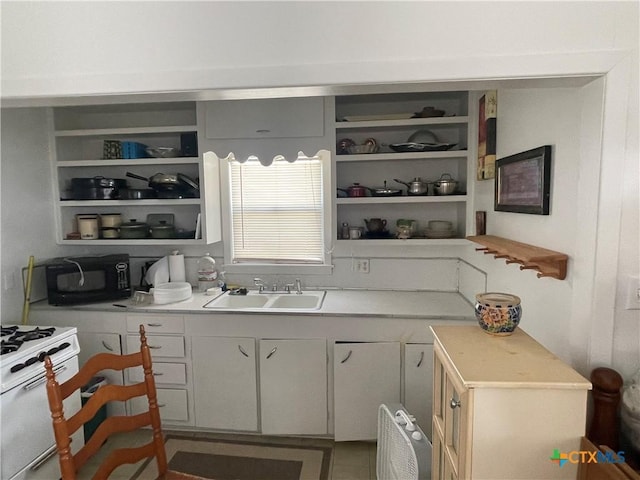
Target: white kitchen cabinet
[
  {"x": 418, "y": 383},
  {"x": 387, "y": 119},
  {"x": 265, "y": 118},
  {"x": 502, "y": 406},
  {"x": 365, "y": 375},
  {"x": 77, "y": 137},
  {"x": 293, "y": 387},
  {"x": 171, "y": 364},
  {"x": 225, "y": 382},
  {"x": 93, "y": 343}
]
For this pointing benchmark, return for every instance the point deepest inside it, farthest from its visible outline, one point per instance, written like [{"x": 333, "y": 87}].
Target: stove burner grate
[{"x": 18, "y": 337}]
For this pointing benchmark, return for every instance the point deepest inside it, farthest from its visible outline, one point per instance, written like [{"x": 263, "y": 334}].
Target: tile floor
[{"x": 350, "y": 460}]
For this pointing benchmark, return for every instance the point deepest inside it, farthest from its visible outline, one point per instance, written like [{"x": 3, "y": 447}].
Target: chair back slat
[
  {"x": 63, "y": 428},
  {"x": 97, "y": 363}
]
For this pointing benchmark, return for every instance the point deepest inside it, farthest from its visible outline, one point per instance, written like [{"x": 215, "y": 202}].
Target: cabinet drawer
[
  {"x": 160, "y": 345},
  {"x": 265, "y": 118},
  {"x": 175, "y": 373},
  {"x": 173, "y": 405},
  {"x": 156, "y": 323}
]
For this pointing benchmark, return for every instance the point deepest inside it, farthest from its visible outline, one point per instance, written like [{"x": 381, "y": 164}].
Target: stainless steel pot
[
  {"x": 446, "y": 185},
  {"x": 134, "y": 229},
  {"x": 416, "y": 187},
  {"x": 163, "y": 230},
  {"x": 385, "y": 191}
]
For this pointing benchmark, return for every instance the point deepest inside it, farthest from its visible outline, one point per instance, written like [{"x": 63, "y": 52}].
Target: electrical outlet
[
  {"x": 360, "y": 265},
  {"x": 633, "y": 293}
]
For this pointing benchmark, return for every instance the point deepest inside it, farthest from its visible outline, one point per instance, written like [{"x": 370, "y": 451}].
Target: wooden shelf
[{"x": 548, "y": 263}]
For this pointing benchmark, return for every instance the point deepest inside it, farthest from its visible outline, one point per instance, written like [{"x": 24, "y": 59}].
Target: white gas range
[{"x": 27, "y": 433}]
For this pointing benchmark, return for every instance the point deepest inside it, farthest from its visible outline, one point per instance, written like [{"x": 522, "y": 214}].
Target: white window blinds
[{"x": 277, "y": 211}]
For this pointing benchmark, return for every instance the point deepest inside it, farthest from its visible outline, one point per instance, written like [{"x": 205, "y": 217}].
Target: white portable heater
[{"x": 404, "y": 452}]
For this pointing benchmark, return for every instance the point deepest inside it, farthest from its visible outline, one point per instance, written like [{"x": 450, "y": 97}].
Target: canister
[
  {"x": 88, "y": 227},
  {"x": 109, "y": 223}
]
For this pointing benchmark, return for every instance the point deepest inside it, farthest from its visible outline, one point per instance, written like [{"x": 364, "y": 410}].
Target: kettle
[
  {"x": 416, "y": 187},
  {"x": 375, "y": 224}
]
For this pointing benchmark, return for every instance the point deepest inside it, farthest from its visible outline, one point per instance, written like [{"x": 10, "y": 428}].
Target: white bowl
[{"x": 439, "y": 225}]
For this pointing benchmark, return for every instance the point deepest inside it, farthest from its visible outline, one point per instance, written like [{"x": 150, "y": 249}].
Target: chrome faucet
[
  {"x": 258, "y": 282},
  {"x": 298, "y": 287}
]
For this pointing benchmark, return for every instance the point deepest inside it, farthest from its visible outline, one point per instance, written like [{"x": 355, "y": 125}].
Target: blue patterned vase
[{"x": 498, "y": 313}]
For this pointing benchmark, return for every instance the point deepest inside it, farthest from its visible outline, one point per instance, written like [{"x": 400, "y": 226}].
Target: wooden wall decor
[{"x": 487, "y": 126}]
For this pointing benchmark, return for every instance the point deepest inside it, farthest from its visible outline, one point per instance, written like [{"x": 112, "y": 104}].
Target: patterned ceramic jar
[{"x": 498, "y": 313}]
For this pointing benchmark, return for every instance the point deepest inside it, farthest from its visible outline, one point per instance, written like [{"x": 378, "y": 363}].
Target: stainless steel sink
[{"x": 308, "y": 300}]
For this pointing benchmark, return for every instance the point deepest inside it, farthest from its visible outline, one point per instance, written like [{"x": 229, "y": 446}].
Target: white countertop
[{"x": 346, "y": 302}]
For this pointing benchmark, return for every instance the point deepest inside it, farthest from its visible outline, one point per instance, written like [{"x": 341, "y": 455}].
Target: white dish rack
[{"x": 403, "y": 452}]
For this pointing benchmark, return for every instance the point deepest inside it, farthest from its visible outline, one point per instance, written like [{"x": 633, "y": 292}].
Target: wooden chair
[{"x": 63, "y": 428}]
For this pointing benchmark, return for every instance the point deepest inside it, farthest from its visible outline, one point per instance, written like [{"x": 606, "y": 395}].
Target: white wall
[
  {"x": 83, "y": 48},
  {"x": 69, "y": 48},
  {"x": 529, "y": 118}
]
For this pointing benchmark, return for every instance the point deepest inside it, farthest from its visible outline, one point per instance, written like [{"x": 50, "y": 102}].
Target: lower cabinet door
[
  {"x": 293, "y": 386},
  {"x": 224, "y": 383},
  {"x": 418, "y": 383},
  {"x": 365, "y": 375},
  {"x": 93, "y": 343}
]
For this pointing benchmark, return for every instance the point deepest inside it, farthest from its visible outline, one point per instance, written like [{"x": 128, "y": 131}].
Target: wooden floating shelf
[{"x": 548, "y": 263}]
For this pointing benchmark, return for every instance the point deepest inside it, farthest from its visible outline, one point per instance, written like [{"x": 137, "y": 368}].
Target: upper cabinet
[
  {"x": 265, "y": 118},
  {"x": 93, "y": 145},
  {"x": 408, "y": 142}
]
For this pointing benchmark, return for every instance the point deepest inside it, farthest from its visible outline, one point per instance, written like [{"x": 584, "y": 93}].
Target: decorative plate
[{"x": 421, "y": 147}]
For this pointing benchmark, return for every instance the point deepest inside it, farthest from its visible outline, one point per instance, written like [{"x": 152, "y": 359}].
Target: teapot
[{"x": 375, "y": 224}]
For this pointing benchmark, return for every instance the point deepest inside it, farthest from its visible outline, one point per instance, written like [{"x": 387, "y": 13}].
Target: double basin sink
[{"x": 307, "y": 300}]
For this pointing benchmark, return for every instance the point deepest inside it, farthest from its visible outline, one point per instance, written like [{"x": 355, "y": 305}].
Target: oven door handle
[
  {"x": 50, "y": 452},
  {"x": 43, "y": 378}
]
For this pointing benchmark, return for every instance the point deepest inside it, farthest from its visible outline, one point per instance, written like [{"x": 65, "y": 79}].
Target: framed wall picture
[
  {"x": 487, "y": 125},
  {"x": 523, "y": 182}
]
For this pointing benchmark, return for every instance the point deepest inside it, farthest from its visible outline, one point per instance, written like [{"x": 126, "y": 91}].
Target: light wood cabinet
[
  {"x": 365, "y": 375},
  {"x": 293, "y": 386},
  {"x": 501, "y": 406},
  {"x": 224, "y": 386}
]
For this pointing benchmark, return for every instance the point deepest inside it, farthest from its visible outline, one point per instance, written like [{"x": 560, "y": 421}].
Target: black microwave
[{"x": 76, "y": 280}]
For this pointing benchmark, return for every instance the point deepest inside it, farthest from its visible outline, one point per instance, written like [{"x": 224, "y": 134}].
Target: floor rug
[{"x": 219, "y": 459}]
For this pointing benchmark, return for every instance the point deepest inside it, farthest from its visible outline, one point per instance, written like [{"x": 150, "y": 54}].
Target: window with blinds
[{"x": 277, "y": 211}]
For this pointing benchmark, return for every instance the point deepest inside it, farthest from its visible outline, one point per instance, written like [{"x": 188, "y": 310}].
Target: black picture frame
[{"x": 523, "y": 182}]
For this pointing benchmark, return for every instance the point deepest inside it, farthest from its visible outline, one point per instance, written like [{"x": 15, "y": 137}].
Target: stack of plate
[
  {"x": 171, "y": 292},
  {"x": 439, "y": 229}
]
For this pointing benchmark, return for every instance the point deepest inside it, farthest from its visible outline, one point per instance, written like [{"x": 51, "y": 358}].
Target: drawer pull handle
[
  {"x": 421, "y": 359},
  {"x": 272, "y": 352},
  {"x": 347, "y": 357},
  {"x": 154, "y": 324},
  {"x": 161, "y": 405},
  {"x": 157, "y": 374},
  {"x": 454, "y": 403},
  {"x": 107, "y": 346},
  {"x": 155, "y": 347},
  {"x": 243, "y": 352}
]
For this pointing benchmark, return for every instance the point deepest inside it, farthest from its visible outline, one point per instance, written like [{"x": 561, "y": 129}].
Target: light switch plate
[{"x": 633, "y": 293}]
